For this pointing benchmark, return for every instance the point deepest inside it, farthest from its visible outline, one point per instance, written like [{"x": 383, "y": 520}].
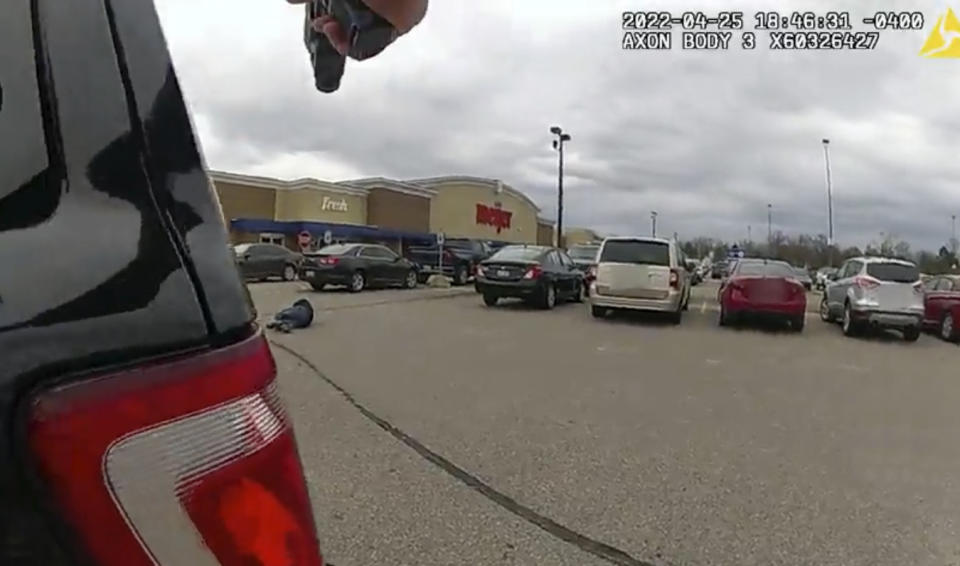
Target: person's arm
[{"x": 404, "y": 15}]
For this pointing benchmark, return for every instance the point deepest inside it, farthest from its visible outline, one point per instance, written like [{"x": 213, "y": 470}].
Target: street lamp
[
  {"x": 769, "y": 225},
  {"x": 558, "y": 145},
  {"x": 826, "y": 159},
  {"x": 653, "y": 219}
]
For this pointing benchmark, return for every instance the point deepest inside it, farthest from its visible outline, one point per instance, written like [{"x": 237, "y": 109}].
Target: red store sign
[{"x": 494, "y": 216}]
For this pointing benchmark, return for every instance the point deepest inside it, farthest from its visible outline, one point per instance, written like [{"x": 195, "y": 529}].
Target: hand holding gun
[{"x": 335, "y": 29}]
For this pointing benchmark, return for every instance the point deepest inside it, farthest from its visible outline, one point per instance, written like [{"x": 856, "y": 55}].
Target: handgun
[{"x": 367, "y": 32}]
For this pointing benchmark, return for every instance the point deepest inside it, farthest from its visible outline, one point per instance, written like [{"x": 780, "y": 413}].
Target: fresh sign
[{"x": 335, "y": 205}]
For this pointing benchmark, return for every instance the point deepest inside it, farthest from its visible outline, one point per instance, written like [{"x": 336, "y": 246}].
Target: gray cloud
[{"x": 706, "y": 139}]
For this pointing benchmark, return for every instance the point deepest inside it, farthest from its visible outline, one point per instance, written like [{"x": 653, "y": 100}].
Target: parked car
[
  {"x": 640, "y": 273},
  {"x": 140, "y": 421},
  {"x": 875, "y": 292},
  {"x": 262, "y": 261},
  {"x": 823, "y": 276},
  {"x": 460, "y": 258},
  {"x": 761, "y": 288},
  {"x": 358, "y": 266},
  {"x": 540, "y": 275},
  {"x": 941, "y": 306},
  {"x": 585, "y": 256}
]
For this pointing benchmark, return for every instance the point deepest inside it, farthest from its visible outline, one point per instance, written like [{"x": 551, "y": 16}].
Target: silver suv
[{"x": 875, "y": 292}]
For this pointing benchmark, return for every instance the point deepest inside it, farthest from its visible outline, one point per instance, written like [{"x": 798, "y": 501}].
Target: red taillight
[
  {"x": 329, "y": 260},
  {"x": 674, "y": 278},
  {"x": 866, "y": 282},
  {"x": 533, "y": 273},
  {"x": 191, "y": 461}
]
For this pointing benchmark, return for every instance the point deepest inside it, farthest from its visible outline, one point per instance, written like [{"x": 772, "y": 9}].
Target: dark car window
[
  {"x": 338, "y": 249},
  {"x": 379, "y": 252},
  {"x": 583, "y": 253},
  {"x": 636, "y": 251},
  {"x": 518, "y": 253},
  {"x": 766, "y": 269},
  {"x": 566, "y": 260},
  {"x": 893, "y": 272}
]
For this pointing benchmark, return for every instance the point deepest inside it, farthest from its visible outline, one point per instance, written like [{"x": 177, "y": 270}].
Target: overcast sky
[{"x": 706, "y": 139}]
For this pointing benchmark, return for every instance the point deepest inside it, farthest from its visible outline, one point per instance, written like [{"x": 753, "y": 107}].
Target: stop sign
[{"x": 304, "y": 238}]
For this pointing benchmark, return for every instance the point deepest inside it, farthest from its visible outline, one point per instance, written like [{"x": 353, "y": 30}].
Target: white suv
[{"x": 640, "y": 273}]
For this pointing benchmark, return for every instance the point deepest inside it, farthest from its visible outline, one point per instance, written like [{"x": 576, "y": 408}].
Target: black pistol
[{"x": 367, "y": 32}]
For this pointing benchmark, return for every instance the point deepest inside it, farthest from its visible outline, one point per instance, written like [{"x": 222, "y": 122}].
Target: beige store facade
[{"x": 393, "y": 212}]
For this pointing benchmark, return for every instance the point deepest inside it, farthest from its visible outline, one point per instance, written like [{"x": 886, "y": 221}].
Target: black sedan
[
  {"x": 358, "y": 266},
  {"x": 539, "y": 275},
  {"x": 261, "y": 261}
]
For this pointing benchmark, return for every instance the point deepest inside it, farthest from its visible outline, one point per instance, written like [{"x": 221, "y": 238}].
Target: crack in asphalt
[{"x": 595, "y": 547}]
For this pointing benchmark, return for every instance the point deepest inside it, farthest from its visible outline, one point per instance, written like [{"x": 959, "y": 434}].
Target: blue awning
[{"x": 317, "y": 229}]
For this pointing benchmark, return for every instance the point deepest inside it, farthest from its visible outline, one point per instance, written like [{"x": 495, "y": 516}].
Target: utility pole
[
  {"x": 558, "y": 145},
  {"x": 653, "y": 219}
]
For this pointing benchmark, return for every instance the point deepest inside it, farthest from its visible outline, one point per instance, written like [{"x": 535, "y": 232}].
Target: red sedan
[
  {"x": 763, "y": 289},
  {"x": 941, "y": 306}
]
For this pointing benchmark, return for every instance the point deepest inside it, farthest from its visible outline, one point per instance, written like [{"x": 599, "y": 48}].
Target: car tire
[
  {"x": 358, "y": 281},
  {"x": 411, "y": 280},
  {"x": 911, "y": 333},
  {"x": 598, "y": 312},
  {"x": 318, "y": 286},
  {"x": 581, "y": 293},
  {"x": 825, "y": 315},
  {"x": 289, "y": 272},
  {"x": 490, "y": 300},
  {"x": 461, "y": 275},
  {"x": 548, "y": 298},
  {"x": 847, "y": 324},
  {"x": 948, "y": 328},
  {"x": 797, "y": 323}
]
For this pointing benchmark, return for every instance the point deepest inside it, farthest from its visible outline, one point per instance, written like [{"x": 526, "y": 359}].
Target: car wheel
[
  {"x": 598, "y": 312},
  {"x": 581, "y": 293},
  {"x": 948, "y": 330},
  {"x": 849, "y": 326},
  {"x": 289, "y": 273},
  {"x": 549, "y": 299},
  {"x": 461, "y": 275},
  {"x": 490, "y": 300},
  {"x": 911, "y": 333},
  {"x": 797, "y": 322},
  {"x": 318, "y": 286},
  {"x": 411, "y": 281},
  {"x": 825, "y": 315},
  {"x": 357, "y": 282}
]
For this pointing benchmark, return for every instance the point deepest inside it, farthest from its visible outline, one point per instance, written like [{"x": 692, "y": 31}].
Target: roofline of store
[
  {"x": 478, "y": 181},
  {"x": 369, "y": 183},
  {"x": 292, "y": 185}
]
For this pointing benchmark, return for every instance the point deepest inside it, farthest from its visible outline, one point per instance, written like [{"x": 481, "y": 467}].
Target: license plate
[
  {"x": 309, "y": 273},
  {"x": 503, "y": 273}
]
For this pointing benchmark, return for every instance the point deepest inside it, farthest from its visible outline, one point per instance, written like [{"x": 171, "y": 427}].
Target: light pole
[
  {"x": 558, "y": 145},
  {"x": 953, "y": 237},
  {"x": 826, "y": 160},
  {"x": 769, "y": 225},
  {"x": 653, "y": 220}
]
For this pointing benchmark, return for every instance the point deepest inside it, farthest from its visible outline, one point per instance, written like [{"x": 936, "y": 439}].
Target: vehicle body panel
[
  {"x": 380, "y": 265},
  {"x": 503, "y": 275},
  {"x": 459, "y": 254},
  {"x": 878, "y": 302},
  {"x": 941, "y": 296}
]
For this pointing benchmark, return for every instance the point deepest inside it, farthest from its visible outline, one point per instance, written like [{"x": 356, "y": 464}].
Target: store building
[{"x": 391, "y": 212}]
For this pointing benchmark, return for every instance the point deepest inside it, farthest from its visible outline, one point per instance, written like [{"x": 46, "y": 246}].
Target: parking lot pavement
[
  {"x": 689, "y": 444},
  {"x": 271, "y": 296}
]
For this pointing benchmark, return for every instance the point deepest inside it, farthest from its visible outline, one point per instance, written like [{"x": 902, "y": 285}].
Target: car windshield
[
  {"x": 636, "y": 251},
  {"x": 765, "y": 269},
  {"x": 893, "y": 272},
  {"x": 583, "y": 252},
  {"x": 517, "y": 253}
]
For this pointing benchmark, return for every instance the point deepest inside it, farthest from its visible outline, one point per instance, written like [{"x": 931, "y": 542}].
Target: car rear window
[
  {"x": 336, "y": 249},
  {"x": 769, "y": 269},
  {"x": 894, "y": 272},
  {"x": 517, "y": 253},
  {"x": 636, "y": 251},
  {"x": 583, "y": 252}
]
